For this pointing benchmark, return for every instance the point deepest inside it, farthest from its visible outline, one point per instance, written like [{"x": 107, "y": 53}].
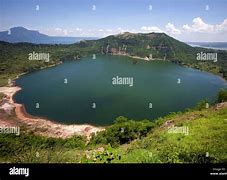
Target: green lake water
[{"x": 167, "y": 86}]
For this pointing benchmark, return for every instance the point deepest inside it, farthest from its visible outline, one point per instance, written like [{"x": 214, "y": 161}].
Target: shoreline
[
  {"x": 137, "y": 57},
  {"x": 46, "y": 127},
  {"x": 185, "y": 65},
  {"x": 42, "y": 126},
  {"x": 41, "y": 68},
  {"x": 210, "y": 73}
]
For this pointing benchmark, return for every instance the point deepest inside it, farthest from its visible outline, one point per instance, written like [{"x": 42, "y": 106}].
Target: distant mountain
[{"x": 21, "y": 34}]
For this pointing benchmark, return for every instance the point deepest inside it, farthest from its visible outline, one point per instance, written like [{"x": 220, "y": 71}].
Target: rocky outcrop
[{"x": 120, "y": 50}]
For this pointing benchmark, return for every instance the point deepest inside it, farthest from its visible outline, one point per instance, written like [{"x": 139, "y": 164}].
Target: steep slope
[
  {"x": 204, "y": 143},
  {"x": 159, "y": 45},
  {"x": 195, "y": 136}
]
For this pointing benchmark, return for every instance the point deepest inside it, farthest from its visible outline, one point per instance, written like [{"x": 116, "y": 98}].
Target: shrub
[
  {"x": 222, "y": 95},
  {"x": 201, "y": 105},
  {"x": 123, "y": 131}
]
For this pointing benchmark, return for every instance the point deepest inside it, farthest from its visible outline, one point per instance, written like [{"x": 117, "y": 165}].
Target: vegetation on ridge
[
  {"x": 126, "y": 140},
  {"x": 14, "y": 57}
]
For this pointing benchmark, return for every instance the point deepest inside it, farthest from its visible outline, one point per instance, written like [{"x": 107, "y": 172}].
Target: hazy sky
[{"x": 186, "y": 20}]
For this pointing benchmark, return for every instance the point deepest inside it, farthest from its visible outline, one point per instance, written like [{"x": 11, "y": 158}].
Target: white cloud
[
  {"x": 198, "y": 30},
  {"x": 100, "y": 32},
  {"x": 170, "y": 28},
  {"x": 151, "y": 29},
  {"x": 202, "y": 31},
  {"x": 122, "y": 30},
  {"x": 222, "y": 27},
  {"x": 119, "y": 29},
  {"x": 65, "y": 32},
  {"x": 150, "y": 7},
  {"x": 57, "y": 29},
  {"x": 187, "y": 28},
  {"x": 207, "y": 8},
  {"x": 200, "y": 26},
  {"x": 109, "y": 30},
  {"x": 59, "y": 32},
  {"x": 78, "y": 29}
]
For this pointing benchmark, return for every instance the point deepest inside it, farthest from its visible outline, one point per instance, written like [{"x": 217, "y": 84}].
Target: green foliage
[
  {"x": 14, "y": 57},
  {"x": 127, "y": 140},
  {"x": 222, "y": 95},
  {"x": 25, "y": 146},
  {"x": 140, "y": 142},
  {"x": 201, "y": 105},
  {"x": 205, "y": 142},
  {"x": 107, "y": 155},
  {"x": 123, "y": 131},
  {"x": 121, "y": 119},
  {"x": 199, "y": 157}
]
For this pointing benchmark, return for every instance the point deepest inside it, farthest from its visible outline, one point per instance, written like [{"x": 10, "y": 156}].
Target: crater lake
[{"x": 83, "y": 92}]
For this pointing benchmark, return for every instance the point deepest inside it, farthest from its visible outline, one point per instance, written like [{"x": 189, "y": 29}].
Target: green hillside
[
  {"x": 160, "y": 46},
  {"x": 139, "y": 142},
  {"x": 14, "y": 57}
]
